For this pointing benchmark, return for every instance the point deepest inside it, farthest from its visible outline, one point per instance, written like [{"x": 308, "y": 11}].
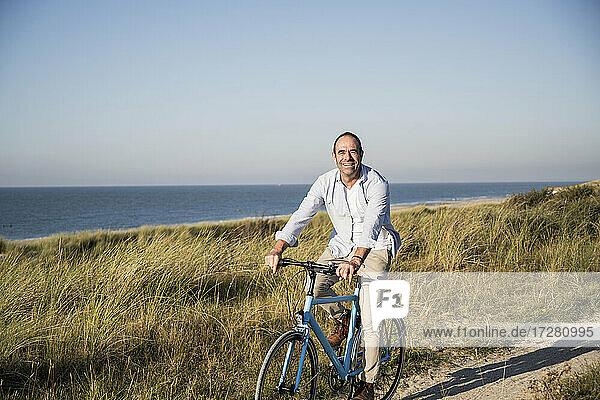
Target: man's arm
[
  {"x": 309, "y": 206},
  {"x": 348, "y": 269},
  {"x": 288, "y": 236},
  {"x": 378, "y": 200}
]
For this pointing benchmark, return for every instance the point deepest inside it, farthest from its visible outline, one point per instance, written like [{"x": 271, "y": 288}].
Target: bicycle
[{"x": 285, "y": 371}]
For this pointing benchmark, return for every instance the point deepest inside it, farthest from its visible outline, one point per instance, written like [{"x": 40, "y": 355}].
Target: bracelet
[{"x": 362, "y": 260}]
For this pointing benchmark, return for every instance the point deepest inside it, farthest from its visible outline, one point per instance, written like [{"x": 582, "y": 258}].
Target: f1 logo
[
  {"x": 389, "y": 300},
  {"x": 382, "y": 296}
]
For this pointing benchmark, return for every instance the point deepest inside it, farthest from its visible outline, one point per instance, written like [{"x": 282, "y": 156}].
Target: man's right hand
[{"x": 272, "y": 259}]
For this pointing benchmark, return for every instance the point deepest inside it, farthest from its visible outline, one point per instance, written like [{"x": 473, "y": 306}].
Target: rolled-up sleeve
[
  {"x": 377, "y": 206},
  {"x": 310, "y": 205}
]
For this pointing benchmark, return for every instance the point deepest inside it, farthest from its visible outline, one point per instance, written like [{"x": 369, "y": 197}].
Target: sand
[{"x": 453, "y": 204}]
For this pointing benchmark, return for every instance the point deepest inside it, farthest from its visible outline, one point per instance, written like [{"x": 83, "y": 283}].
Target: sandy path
[
  {"x": 453, "y": 204},
  {"x": 499, "y": 376}
]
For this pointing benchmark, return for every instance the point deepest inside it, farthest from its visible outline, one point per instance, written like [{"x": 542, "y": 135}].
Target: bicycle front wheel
[{"x": 277, "y": 377}]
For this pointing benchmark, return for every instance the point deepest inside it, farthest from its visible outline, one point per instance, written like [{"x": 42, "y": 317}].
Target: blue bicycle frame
[{"x": 309, "y": 322}]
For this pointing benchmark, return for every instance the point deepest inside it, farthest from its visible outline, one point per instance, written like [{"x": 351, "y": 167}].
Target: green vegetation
[
  {"x": 190, "y": 311},
  {"x": 583, "y": 385}
]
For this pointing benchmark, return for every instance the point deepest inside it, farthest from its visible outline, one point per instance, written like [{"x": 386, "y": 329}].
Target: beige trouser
[{"x": 376, "y": 263}]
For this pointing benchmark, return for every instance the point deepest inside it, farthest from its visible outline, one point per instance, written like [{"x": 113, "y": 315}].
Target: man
[{"x": 358, "y": 203}]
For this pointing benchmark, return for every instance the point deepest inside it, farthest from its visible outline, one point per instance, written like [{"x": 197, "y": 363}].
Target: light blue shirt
[{"x": 328, "y": 190}]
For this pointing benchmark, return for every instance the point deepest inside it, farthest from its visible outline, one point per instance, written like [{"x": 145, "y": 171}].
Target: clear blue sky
[{"x": 145, "y": 92}]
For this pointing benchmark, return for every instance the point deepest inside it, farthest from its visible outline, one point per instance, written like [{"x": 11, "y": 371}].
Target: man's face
[{"x": 348, "y": 156}]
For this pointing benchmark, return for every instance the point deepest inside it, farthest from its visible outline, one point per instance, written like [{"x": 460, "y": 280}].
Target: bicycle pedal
[{"x": 286, "y": 389}]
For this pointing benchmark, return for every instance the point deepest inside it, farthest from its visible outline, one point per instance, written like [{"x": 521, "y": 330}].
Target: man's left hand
[{"x": 347, "y": 269}]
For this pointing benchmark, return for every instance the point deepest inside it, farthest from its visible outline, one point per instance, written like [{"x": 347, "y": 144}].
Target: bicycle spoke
[{"x": 278, "y": 374}]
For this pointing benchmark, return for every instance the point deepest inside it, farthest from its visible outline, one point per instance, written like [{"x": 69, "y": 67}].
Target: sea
[{"x": 35, "y": 212}]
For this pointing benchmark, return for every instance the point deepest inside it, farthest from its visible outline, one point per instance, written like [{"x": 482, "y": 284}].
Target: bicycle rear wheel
[
  {"x": 392, "y": 347},
  {"x": 392, "y": 352},
  {"x": 275, "y": 383}
]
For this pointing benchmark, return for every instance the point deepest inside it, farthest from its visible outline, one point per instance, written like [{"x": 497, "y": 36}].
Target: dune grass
[
  {"x": 189, "y": 311},
  {"x": 565, "y": 385}
]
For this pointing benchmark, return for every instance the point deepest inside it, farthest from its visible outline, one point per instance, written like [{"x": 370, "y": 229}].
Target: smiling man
[{"x": 357, "y": 199}]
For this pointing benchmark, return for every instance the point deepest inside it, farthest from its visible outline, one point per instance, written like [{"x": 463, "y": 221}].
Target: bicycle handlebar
[{"x": 327, "y": 269}]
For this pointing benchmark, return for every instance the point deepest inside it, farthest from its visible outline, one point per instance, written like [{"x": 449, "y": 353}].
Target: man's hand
[
  {"x": 347, "y": 269},
  {"x": 272, "y": 259}
]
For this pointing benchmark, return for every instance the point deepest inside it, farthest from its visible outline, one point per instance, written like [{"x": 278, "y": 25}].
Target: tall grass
[
  {"x": 189, "y": 311},
  {"x": 564, "y": 385}
]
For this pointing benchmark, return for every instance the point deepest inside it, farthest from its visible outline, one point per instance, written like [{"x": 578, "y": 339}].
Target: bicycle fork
[{"x": 293, "y": 388}]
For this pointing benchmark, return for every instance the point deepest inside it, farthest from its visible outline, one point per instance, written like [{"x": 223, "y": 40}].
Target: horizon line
[{"x": 282, "y": 184}]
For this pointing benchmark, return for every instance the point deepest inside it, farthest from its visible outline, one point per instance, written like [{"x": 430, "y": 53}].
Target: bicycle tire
[
  {"x": 392, "y": 352},
  {"x": 270, "y": 371}
]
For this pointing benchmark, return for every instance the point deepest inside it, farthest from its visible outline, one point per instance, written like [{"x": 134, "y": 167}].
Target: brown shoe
[
  {"x": 364, "y": 391},
  {"x": 340, "y": 331}
]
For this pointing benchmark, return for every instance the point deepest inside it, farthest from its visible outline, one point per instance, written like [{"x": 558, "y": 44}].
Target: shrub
[{"x": 563, "y": 385}]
